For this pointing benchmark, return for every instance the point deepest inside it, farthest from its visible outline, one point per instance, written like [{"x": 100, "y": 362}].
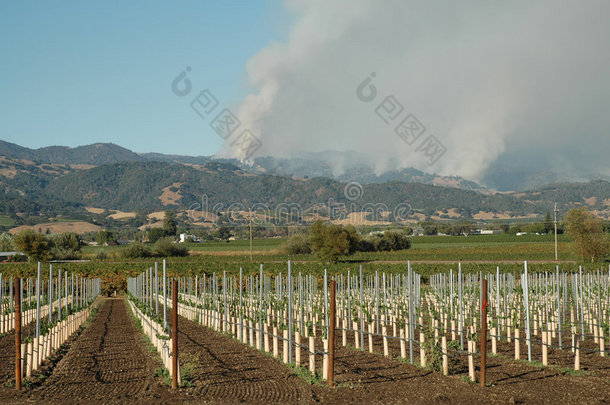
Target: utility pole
[{"x": 555, "y": 212}]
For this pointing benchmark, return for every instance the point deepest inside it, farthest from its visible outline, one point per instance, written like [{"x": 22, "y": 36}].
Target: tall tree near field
[
  {"x": 169, "y": 223},
  {"x": 6, "y": 243},
  {"x": 548, "y": 222},
  {"x": 587, "y": 234},
  {"x": 33, "y": 244},
  {"x": 329, "y": 242}
]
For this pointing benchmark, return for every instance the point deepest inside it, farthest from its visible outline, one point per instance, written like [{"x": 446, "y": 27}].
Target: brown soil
[
  {"x": 510, "y": 381},
  {"x": 59, "y": 227},
  {"x": 109, "y": 363}
]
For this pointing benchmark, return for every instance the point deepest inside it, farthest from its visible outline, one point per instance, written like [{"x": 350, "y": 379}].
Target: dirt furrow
[
  {"x": 226, "y": 371},
  {"x": 107, "y": 364}
]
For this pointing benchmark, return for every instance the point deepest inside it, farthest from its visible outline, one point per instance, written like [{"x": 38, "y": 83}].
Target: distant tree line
[{"x": 329, "y": 242}]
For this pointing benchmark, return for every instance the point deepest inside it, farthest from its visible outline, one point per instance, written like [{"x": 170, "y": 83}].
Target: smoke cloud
[{"x": 486, "y": 79}]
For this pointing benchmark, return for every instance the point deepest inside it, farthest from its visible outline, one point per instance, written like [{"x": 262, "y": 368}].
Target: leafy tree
[
  {"x": 155, "y": 234},
  {"x": 6, "y": 243},
  {"x": 548, "y": 223},
  {"x": 223, "y": 233},
  {"x": 33, "y": 244},
  {"x": 397, "y": 240},
  {"x": 298, "y": 244},
  {"x": 329, "y": 242},
  {"x": 587, "y": 234},
  {"x": 105, "y": 237},
  {"x": 169, "y": 223},
  {"x": 65, "y": 246},
  {"x": 67, "y": 241}
]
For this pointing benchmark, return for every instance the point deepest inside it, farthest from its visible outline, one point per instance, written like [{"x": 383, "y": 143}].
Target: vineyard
[{"x": 286, "y": 336}]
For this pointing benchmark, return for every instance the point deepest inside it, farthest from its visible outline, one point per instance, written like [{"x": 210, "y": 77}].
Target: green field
[
  {"x": 5, "y": 220},
  {"x": 429, "y": 255}
]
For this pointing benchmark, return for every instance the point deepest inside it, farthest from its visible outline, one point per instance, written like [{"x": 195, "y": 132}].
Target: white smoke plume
[{"x": 485, "y": 78}]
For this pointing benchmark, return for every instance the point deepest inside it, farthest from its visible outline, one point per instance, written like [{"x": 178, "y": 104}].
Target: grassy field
[
  {"x": 5, "y": 220},
  {"x": 429, "y": 255},
  {"x": 424, "y": 248}
]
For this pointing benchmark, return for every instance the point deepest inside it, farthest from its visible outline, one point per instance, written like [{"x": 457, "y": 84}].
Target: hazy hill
[
  {"x": 32, "y": 188},
  {"x": 95, "y": 154}
]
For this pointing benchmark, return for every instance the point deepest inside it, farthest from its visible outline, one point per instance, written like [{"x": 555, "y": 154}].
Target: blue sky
[{"x": 75, "y": 72}]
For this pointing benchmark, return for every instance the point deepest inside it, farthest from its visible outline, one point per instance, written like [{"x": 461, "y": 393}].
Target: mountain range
[{"x": 51, "y": 181}]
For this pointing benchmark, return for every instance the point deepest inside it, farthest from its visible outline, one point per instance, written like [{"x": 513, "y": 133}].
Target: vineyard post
[
  {"x": 497, "y": 316},
  {"x": 164, "y": 295},
  {"x": 461, "y": 295},
  {"x": 349, "y": 299},
  {"x": 260, "y": 308},
  {"x": 377, "y": 302},
  {"x": 331, "y": 335},
  {"x": 326, "y": 320},
  {"x": 59, "y": 294},
  {"x": 150, "y": 287},
  {"x": 38, "y": 302},
  {"x": 241, "y": 316},
  {"x": 224, "y": 301},
  {"x": 451, "y": 292},
  {"x": 290, "y": 326},
  {"x": 361, "y": 311},
  {"x": 17, "y": 333},
  {"x": 156, "y": 288},
  {"x": 582, "y": 310},
  {"x": 301, "y": 324},
  {"x": 411, "y": 314},
  {"x": 66, "y": 290},
  {"x": 559, "y": 306},
  {"x": 50, "y": 293},
  {"x": 175, "y": 334},
  {"x": 11, "y": 294},
  {"x": 599, "y": 308},
  {"x": 483, "y": 330},
  {"x": 528, "y": 336}
]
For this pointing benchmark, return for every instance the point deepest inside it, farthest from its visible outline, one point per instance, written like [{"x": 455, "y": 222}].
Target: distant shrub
[
  {"x": 397, "y": 240},
  {"x": 135, "y": 250},
  {"x": 59, "y": 253},
  {"x": 386, "y": 242},
  {"x": 165, "y": 247},
  {"x": 297, "y": 245},
  {"x": 101, "y": 255}
]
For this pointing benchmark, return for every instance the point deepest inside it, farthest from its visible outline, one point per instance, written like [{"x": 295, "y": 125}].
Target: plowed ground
[{"x": 110, "y": 363}]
